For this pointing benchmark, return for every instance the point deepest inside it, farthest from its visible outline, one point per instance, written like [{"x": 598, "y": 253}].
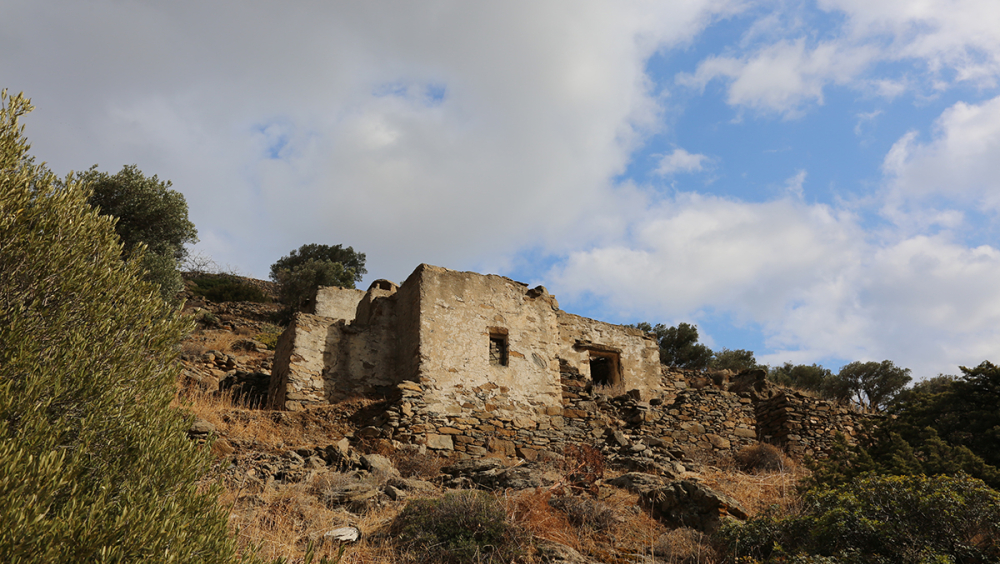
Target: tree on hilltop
[
  {"x": 300, "y": 273},
  {"x": 152, "y": 221},
  {"x": 811, "y": 377},
  {"x": 872, "y": 385},
  {"x": 735, "y": 360},
  {"x": 679, "y": 345}
]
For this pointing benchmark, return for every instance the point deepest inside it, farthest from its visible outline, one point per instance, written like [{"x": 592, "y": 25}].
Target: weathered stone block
[{"x": 440, "y": 442}]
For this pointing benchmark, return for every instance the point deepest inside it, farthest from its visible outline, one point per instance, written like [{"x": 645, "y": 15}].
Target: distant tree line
[{"x": 870, "y": 385}]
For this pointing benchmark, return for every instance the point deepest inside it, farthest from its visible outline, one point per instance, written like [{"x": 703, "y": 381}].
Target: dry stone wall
[
  {"x": 804, "y": 425},
  {"x": 679, "y": 424}
]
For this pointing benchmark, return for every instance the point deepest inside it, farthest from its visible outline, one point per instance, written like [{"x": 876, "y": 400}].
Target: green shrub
[
  {"x": 228, "y": 289},
  {"x": 881, "y": 519},
  {"x": 269, "y": 336},
  {"x": 299, "y": 284},
  {"x": 94, "y": 464},
  {"x": 467, "y": 526}
]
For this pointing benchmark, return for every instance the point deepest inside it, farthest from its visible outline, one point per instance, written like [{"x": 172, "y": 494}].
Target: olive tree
[
  {"x": 872, "y": 385},
  {"x": 300, "y": 273},
  {"x": 94, "y": 463},
  {"x": 152, "y": 221},
  {"x": 736, "y": 360},
  {"x": 679, "y": 345}
]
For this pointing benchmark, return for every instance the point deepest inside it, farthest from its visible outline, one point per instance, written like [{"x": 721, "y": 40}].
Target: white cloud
[
  {"x": 443, "y": 133},
  {"x": 950, "y": 41},
  {"x": 946, "y": 35},
  {"x": 960, "y": 163},
  {"x": 783, "y": 77},
  {"x": 794, "y": 184},
  {"x": 808, "y": 275},
  {"x": 696, "y": 252},
  {"x": 864, "y": 118},
  {"x": 681, "y": 161}
]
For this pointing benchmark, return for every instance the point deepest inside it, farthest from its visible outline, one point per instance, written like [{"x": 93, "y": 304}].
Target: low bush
[
  {"x": 760, "y": 457},
  {"x": 269, "y": 336},
  {"x": 586, "y": 512},
  {"x": 466, "y": 526},
  {"x": 883, "y": 519},
  {"x": 584, "y": 466},
  {"x": 228, "y": 289}
]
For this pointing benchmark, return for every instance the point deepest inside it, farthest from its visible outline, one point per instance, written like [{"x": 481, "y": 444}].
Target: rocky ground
[{"x": 300, "y": 481}]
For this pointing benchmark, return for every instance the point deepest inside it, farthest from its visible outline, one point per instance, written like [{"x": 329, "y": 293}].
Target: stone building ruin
[
  {"x": 480, "y": 364},
  {"x": 452, "y": 329}
]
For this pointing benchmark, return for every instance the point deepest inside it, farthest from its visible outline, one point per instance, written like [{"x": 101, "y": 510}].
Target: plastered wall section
[
  {"x": 298, "y": 373},
  {"x": 639, "y": 353},
  {"x": 337, "y": 303},
  {"x": 458, "y": 312},
  {"x": 363, "y": 357}
]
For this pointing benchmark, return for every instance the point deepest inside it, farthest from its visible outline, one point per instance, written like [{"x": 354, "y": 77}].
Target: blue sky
[{"x": 814, "y": 181}]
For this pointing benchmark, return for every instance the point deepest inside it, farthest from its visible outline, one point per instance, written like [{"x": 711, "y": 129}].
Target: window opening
[
  {"x": 498, "y": 348},
  {"x": 604, "y": 368}
]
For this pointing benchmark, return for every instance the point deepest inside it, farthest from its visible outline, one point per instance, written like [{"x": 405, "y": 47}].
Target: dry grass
[
  {"x": 757, "y": 492},
  {"x": 210, "y": 340},
  {"x": 416, "y": 465},
  {"x": 233, "y": 418},
  {"x": 685, "y": 546},
  {"x": 607, "y": 529},
  {"x": 291, "y": 517}
]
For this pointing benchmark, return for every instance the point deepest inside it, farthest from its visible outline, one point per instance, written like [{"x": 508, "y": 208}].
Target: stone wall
[
  {"x": 438, "y": 328},
  {"x": 297, "y": 377},
  {"x": 638, "y": 355},
  {"x": 488, "y": 421},
  {"x": 679, "y": 422},
  {"x": 480, "y": 364},
  {"x": 460, "y": 312},
  {"x": 337, "y": 303},
  {"x": 804, "y": 425}
]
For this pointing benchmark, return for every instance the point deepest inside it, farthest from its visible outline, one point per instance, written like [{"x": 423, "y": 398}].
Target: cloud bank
[{"x": 500, "y": 137}]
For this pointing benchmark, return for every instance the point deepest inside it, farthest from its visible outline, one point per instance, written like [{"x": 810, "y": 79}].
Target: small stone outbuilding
[{"x": 448, "y": 330}]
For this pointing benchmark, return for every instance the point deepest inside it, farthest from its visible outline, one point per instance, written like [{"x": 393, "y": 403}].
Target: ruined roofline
[{"x": 383, "y": 287}]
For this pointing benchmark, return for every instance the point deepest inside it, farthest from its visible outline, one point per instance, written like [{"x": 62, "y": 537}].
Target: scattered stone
[
  {"x": 639, "y": 482},
  {"x": 472, "y": 466},
  {"x": 378, "y": 465},
  {"x": 556, "y": 553}
]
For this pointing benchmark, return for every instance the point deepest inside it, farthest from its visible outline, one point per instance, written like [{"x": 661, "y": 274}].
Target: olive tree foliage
[
  {"x": 872, "y": 385},
  {"x": 903, "y": 519},
  {"x": 679, "y": 345},
  {"x": 736, "y": 360},
  {"x": 303, "y": 271},
  {"x": 152, "y": 221},
  {"x": 94, "y": 464},
  {"x": 811, "y": 377}
]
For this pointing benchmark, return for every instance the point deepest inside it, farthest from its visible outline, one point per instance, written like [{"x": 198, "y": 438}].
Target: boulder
[
  {"x": 638, "y": 482},
  {"x": 378, "y": 464},
  {"x": 201, "y": 428},
  {"x": 556, "y": 553},
  {"x": 684, "y": 503}
]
